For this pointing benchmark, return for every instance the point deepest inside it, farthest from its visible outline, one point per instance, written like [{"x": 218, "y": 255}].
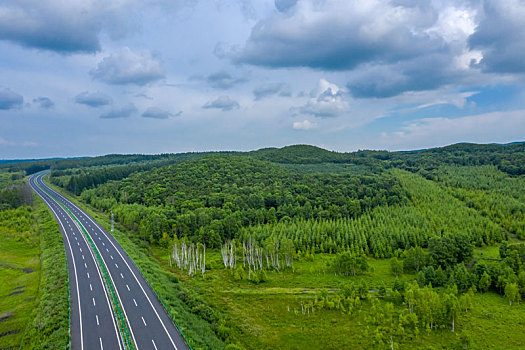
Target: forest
[{"x": 299, "y": 246}]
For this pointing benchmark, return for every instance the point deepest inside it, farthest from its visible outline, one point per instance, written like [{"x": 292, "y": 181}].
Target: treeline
[
  {"x": 210, "y": 199},
  {"x": 13, "y": 193}
]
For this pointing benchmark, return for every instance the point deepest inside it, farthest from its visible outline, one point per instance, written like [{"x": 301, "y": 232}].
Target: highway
[
  {"x": 149, "y": 324},
  {"x": 92, "y": 323}
]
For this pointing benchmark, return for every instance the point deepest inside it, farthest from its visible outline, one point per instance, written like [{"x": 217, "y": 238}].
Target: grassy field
[
  {"x": 20, "y": 271},
  {"x": 268, "y": 315}
]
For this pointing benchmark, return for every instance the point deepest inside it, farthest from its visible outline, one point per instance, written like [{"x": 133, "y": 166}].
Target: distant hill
[{"x": 299, "y": 154}]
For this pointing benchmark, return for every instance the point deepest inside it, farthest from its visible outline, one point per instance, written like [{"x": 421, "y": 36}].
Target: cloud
[
  {"x": 340, "y": 35},
  {"x": 386, "y": 47},
  {"x": 44, "y": 102},
  {"x": 223, "y": 80},
  {"x": 327, "y": 100},
  {"x": 124, "y": 112},
  {"x": 502, "y": 126},
  {"x": 284, "y": 5},
  {"x": 271, "y": 89},
  {"x": 304, "y": 125},
  {"x": 157, "y": 113},
  {"x": 63, "y": 26},
  {"x": 222, "y": 102},
  {"x": 95, "y": 99},
  {"x": 128, "y": 67},
  {"x": 10, "y": 99},
  {"x": 499, "y": 37}
]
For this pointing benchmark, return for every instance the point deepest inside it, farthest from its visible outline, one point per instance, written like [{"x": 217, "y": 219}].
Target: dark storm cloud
[
  {"x": 10, "y": 99},
  {"x": 128, "y": 67},
  {"x": 500, "y": 37},
  {"x": 44, "y": 102},
  {"x": 158, "y": 113},
  {"x": 95, "y": 99},
  {"x": 271, "y": 89},
  {"x": 124, "y": 112},
  {"x": 224, "y": 103}
]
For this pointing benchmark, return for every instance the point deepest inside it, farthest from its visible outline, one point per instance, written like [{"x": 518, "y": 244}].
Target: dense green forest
[{"x": 304, "y": 246}]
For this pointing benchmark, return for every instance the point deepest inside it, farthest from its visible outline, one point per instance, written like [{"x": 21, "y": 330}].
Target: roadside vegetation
[{"x": 34, "y": 291}]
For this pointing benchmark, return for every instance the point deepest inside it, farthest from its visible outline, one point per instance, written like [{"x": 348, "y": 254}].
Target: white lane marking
[
  {"x": 76, "y": 239},
  {"x": 103, "y": 244},
  {"x": 121, "y": 275},
  {"x": 81, "y": 250},
  {"x": 101, "y": 347},
  {"x": 127, "y": 287},
  {"x": 107, "y": 250},
  {"x": 85, "y": 265},
  {"x": 116, "y": 265},
  {"x": 78, "y": 243},
  {"x": 88, "y": 274},
  {"x": 135, "y": 302},
  {"x": 82, "y": 256},
  {"x": 144, "y": 321},
  {"x": 155, "y": 346},
  {"x": 94, "y": 301},
  {"x": 111, "y": 256},
  {"x": 98, "y": 324},
  {"x": 90, "y": 287}
]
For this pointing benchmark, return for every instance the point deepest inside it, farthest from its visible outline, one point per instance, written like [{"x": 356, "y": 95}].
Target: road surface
[
  {"x": 149, "y": 324},
  {"x": 92, "y": 323}
]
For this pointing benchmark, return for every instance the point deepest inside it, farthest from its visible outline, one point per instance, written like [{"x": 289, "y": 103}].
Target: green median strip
[{"x": 123, "y": 324}]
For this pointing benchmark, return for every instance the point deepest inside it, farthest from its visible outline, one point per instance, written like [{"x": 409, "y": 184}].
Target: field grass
[
  {"x": 20, "y": 274},
  {"x": 49, "y": 323},
  {"x": 268, "y": 315}
]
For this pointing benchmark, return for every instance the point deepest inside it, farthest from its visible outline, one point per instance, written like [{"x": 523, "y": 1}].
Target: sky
[{"x": 93, "y": 77}]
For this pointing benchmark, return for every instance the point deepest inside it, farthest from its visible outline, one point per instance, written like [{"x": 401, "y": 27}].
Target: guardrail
[{"x": 121, "y": 320}]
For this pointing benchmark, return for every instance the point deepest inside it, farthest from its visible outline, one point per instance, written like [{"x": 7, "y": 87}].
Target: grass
[
  {"x": 20, "y": 271},
  {"x": 49, "y": 326}
]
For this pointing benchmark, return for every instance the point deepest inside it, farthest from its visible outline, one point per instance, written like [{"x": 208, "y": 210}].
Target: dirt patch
[
  {"x": 29, "y": 298},
  {"x": 5, "y": 316},
  {"x": 16, "y": 292},
  {"x": 27, "y": 269},
  {"x": 13, "y": 331}
]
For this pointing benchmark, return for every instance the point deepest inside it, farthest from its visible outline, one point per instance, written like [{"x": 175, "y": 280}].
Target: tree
[
  {"x": 349, "y": 263},
  {"x": 396, "y": 266},
  {"x": 512, "y": 292},
  {"x": 414, "y": 259},
  {"x": 484, "y": 282}
]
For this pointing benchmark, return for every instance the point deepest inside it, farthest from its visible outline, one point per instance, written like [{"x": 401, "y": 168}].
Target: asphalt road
[
  {"x": 149, "y": 324},
  {"x": 92, "y": 323}
]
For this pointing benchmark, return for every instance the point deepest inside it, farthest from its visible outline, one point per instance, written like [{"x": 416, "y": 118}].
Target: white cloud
[
  {"x": 327, "y": 100},
  {"x": 304, "y": 125}
]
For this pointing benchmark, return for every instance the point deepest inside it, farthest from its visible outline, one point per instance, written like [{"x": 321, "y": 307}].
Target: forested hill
[{"x": 222, "y": 193}]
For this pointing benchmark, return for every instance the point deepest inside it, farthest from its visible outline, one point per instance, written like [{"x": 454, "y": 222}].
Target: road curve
[
  {"x": 92, "y": 322},
  {"x": 149, "y": 324}
]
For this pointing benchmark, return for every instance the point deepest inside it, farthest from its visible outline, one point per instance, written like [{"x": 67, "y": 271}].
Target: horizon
[
  {"x": 7, "y": 160},
  {"x": 181, "y": 76}
]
